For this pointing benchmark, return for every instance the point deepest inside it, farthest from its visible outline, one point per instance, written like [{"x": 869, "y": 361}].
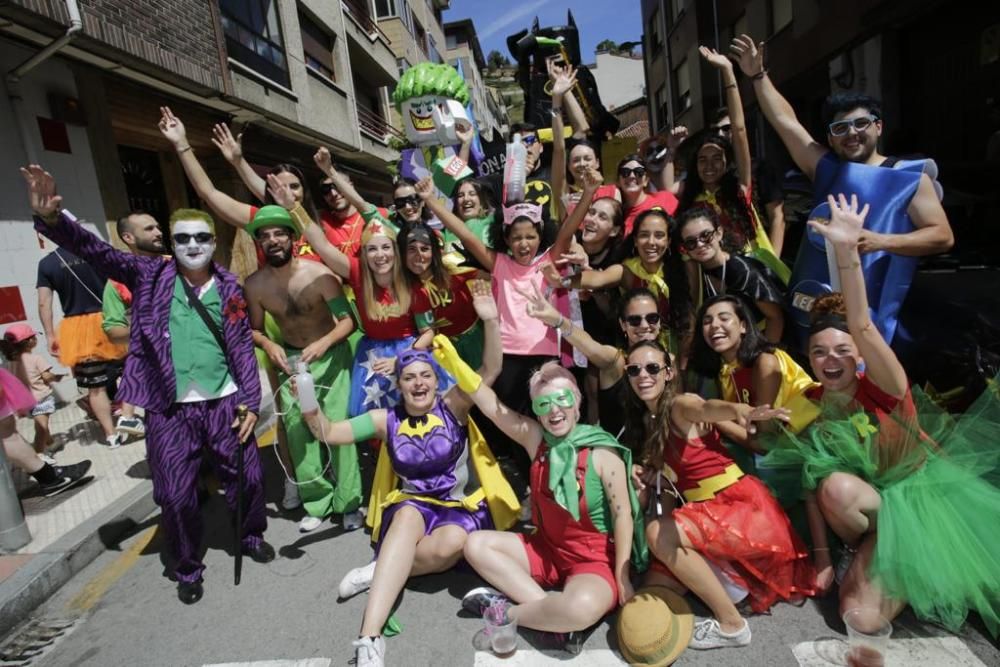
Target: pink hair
[{"x": 548, "y": 373}]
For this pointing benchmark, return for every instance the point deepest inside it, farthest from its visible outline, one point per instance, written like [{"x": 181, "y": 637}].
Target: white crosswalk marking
[
  {"x": 936, "y": 651},
  {"x": 308, "y": 662},
  {"x": 526, "y": 656}
]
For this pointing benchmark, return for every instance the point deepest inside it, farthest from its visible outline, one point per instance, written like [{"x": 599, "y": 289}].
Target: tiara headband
[
  {"x": 377, "y": 228},
  {"x": 532, "y": 212}
]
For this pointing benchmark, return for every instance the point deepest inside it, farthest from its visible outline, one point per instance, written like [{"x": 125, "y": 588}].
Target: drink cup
[
  {"x": 867, "y": 637},
  {"x": 503, "y": 636}
]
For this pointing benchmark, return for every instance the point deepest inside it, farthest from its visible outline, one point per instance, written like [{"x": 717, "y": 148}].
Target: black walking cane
[{"x": 241, "y": 415}]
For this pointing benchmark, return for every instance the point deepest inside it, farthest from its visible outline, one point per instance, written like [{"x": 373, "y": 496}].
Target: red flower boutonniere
[{"x": 236, "y": 308}]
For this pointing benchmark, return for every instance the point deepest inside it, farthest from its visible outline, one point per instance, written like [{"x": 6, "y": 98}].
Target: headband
[
  {"x": 377, "y": 227},
  {"x": 411, "y": 356},
  {"x": 419, "y": 235},
  {"x": 532, "y": 212},
  {"x": 828, "y": 321}
]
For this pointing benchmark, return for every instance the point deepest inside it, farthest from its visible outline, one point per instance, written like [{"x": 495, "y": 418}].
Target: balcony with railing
[
  {"x": 358, "y": 11},
  {"x": 375, "y": 127}
]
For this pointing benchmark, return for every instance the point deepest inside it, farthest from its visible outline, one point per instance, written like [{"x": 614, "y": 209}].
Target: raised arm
[
  {"x": 602, "y": 356},
  {"x": 595, "y": 279},
  {"x": 312, "y": 232},
  {"x": 844, "y": 231},
  {"x": 234, "y": 212},
  {"x": 562, "y": 79},
  {"x": 64, "y": 230},
  {"x": 805, "y": 151},
  {"x": 324, "y": 161},
  {"x": 486, "y": 308},
  {"x": 232, "y": 149},
  {"x": 524, "y": 431},
  {"x": 734, "y": 105},
  {"x": 932, "y": 235},
  {"x": 466, "y": 134},
  {"x": 592, "y": 180},
  {"x": 470, "y": 241}
]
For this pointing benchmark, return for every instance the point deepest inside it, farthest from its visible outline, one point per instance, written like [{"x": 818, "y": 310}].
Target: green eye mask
[{"x": 542, "y": 405}]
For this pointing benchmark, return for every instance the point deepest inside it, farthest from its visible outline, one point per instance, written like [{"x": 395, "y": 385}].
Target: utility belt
[
  {"x": 470, "y": 502},
  {"x": 709, "y": 487}
]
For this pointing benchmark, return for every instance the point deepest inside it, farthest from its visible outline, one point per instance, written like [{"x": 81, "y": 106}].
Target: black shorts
[{"x": 93, "y": 373}]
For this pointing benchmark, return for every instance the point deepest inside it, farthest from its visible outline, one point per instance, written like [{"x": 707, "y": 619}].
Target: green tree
[
  {"x": 607, "y": 45},
  {"x": 495, "y": 60}
]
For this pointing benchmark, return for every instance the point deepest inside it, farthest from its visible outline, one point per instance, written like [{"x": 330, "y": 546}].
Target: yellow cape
[
  {"x": 795, "y": 382},
  {"x": 500, "y": 498}
]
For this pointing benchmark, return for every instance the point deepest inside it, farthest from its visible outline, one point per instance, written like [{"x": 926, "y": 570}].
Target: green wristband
[{"x": 362, "y": 427}]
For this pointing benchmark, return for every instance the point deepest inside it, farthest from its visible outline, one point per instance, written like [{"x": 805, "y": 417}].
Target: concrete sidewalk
[{"x": 71, "y": 529}]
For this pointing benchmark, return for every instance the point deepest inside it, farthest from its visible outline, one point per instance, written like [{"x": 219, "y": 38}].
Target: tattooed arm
[{"x": 615, "y": 481}]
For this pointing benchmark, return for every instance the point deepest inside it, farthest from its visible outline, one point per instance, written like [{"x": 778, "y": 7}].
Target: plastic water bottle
[
  {"x": 306, "y": 387},
  {"x": 515, "y": 171}
]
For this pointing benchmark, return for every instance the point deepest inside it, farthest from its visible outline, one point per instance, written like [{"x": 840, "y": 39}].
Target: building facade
[
  {"x": 289, "y": 75},
  {"x": 619, "y": 78},
  {"x": 464, "y": 54}
]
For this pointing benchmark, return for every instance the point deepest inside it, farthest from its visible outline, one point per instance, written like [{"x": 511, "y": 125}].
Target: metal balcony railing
[
  {"x": 357, "y": 11},
  {"x": 375, "y": 126}
]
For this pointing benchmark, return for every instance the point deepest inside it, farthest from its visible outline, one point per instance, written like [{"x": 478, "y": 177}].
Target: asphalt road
[{"x": 124, "y": 611}]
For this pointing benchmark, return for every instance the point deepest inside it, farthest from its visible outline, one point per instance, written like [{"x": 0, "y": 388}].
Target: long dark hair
[
  {"x": 674, "y": 273},
  {"x": 404, "y": 182},
  {"x": 646, "y": 432},
  {"x": 753, "y": 344},
  {"x": 569, "y": 149},
  {"x": 307, "y": 201},
  {"x": 728, "y": 195},
  {"x": 13, "y": 351},
  {"x": 615, "y": 245},
  {"x": 700, "y": 212},
  {"x": 625, "y": 301},
  {"x": 485, "y": 198},
  {"x": 439, "y": 274}
]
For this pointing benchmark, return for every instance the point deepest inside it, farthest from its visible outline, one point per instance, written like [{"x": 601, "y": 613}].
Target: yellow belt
[
  {"x": 470, "y": 502},
  {"x": 708, "y": 487}
]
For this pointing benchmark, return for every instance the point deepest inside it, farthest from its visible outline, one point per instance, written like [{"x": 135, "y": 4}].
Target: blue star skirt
[{"x": 371, "y": 390}]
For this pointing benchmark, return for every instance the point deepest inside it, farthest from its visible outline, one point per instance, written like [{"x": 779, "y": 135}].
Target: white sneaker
[
  {"x": 369, "y": 652},
  {"x": 131, "y": 426},
  {"x": 113, "y": 441},
  {"x": 356, "y": 581},
  {"x": 309, "y": 524},
  {"x": 708, "y": 635},
  {"x": 353, "y": 520},
  {"x": 291, "y": 499},
  {"x": 45, "y": 458}
]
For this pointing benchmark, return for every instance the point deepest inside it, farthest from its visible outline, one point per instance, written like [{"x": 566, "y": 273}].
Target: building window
[
  {"x": 682, "y": 86},
  {"x": 451, "y": 41},
  {"x": 403, "y": 64},
  {"x": 317, "y": 44},
  {"x": 661, "y": 107},
  {"x": 387, "y": 9},
  {"x": 781, "y": 14},
  {"x": 653, "y": 32},
  {"x": 253, "y": 37},
  {"x": 420, "y": 36},
  {"x": 432, "y": 51}
]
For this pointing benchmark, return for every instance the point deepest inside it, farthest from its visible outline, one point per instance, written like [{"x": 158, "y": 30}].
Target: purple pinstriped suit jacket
[{"x": 149, "y": 380}]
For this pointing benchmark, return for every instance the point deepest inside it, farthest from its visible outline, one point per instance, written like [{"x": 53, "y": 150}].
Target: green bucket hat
[{"x": 270, "y": 216}]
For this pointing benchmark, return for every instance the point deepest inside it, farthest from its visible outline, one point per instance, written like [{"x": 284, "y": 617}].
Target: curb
[{"x": 52, "y": 567}]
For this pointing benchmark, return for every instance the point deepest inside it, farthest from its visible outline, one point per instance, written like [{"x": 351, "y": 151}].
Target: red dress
[
  {"x": 563, "y": 546},
  {"x": 743, "y": 529}
]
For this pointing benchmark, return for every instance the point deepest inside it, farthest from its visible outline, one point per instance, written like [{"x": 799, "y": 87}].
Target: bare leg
[
  {"x": 439, "y": 551},
  {"x": 671, "y": 545},
  {"x": 392, "y": 569},
  {"x": 101, "y": 405},
  {"x": 657, "y": 578},
  {"x": 43, "y": 437},
  {"x": 16, "y": 448},
  {"x": 857, "y": 590},
  {"x": 128, "y": 410},
  {"x": 501, "y": 560},
  {"x": 584, "y": 600},
  {"x": 849, "y": 504}
]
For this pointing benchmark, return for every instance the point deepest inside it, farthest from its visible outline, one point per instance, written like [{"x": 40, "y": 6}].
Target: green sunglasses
[{"x": 542, "y": 405}]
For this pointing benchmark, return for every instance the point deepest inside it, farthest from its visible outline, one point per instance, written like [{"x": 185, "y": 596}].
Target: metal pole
[{"x": 14, "y": 532}]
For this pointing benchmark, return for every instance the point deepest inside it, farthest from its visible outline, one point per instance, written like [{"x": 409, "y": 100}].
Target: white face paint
[{"x": 193, "y": 255}]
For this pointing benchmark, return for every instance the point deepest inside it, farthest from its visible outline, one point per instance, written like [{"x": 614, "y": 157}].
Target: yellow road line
[{"x": 99, "y": 585}]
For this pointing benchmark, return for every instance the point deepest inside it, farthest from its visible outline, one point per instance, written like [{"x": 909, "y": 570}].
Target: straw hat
[{"x": 654, "y": 627}]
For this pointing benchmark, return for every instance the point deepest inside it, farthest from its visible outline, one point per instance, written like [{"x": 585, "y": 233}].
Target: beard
[
  {"x": 152, "y": 247},
  {"x": 278, "y": 259}
]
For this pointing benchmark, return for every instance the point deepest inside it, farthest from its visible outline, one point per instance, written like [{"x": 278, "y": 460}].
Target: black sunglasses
[
  {"x": 636, "y": 320},
  {"x": 201, "y": 237},
  {"x": 638, "y": 172},
  {"x": 704, "y": 238},
  {"x": 327, "y": 188},
  {"x": 402, "y": 202},
  {"x": 634, "y": 370}
]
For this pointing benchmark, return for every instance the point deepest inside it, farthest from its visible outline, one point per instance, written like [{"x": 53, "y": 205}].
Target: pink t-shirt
[
  {"x": 519, "y": 333},
  {"x": 29, "y": 369}
]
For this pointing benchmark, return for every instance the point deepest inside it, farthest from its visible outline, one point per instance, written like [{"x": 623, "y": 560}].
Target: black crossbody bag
[{"x": 200, "y": 308}]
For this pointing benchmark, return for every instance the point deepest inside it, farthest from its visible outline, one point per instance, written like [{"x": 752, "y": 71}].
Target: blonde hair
[{"x": 399, "y": 287}]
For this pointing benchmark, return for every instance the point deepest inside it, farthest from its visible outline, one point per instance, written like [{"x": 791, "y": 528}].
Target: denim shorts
[{"x": 46, "y": 406}]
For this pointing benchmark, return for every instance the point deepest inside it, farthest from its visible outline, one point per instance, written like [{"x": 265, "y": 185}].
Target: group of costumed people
[{"x": 610, "y": 356}]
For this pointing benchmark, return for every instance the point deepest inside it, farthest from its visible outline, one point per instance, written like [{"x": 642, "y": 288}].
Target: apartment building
[
  {"x": 85, "y": 80},
  {"x": 465, "y": 54}
]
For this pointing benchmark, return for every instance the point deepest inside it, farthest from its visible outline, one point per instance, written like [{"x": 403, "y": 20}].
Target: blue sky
[{"x": 596, "y": 20}]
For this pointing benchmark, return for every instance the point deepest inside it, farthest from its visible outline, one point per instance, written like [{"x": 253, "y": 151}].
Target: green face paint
[{"x": 563, "y": 398}]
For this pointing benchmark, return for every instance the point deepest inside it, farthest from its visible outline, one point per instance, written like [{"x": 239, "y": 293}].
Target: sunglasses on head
[
  {"x": 529, "y": 139},
  {"x": 636, "y": 320},
  {"x": 542, "y": 405},
  {"x": 327, "y": 188},
  {"x": 841, "y": 127},
  {"x": 634, "y": 370},
  {"x": 408, "y": 200},
  {"x": 638, "y": 172},
  {"x": 705, "y": 238},
  {"x": 201, "y": 237}
]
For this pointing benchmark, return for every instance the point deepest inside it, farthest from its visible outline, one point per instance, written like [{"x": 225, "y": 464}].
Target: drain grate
[{"x": 33, "y": 640}]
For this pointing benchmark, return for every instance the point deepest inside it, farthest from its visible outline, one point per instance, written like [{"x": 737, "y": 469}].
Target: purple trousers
[{"x": 174, "y": 443}]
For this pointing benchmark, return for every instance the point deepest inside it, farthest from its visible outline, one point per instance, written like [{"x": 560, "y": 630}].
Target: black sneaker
[
  {"x": 262, "y": 553},
  {"x": 478, "y": 600},
  {"x": 66, "y": 478}
]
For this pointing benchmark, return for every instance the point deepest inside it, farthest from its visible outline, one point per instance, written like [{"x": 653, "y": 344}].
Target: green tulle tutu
[{"x": 938, "y": 543}]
